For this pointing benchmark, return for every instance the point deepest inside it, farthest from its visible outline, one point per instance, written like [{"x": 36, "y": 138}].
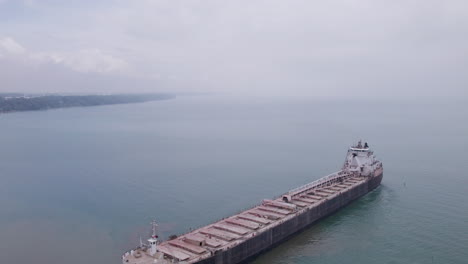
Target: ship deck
[{"x": 227, "y": 233}]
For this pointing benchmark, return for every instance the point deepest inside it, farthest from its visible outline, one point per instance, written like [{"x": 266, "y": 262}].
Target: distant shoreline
[{"x": 10, "y": 103}]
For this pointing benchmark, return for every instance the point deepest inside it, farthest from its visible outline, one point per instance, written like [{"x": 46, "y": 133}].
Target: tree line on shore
[{"x": 16, "y": 103}]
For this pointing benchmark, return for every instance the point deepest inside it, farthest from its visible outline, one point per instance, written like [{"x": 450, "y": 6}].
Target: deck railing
[{"x": 324, "y": 181}]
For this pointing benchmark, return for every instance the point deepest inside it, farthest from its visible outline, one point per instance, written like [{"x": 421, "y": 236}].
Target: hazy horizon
[{"x": 341, "y": 48}]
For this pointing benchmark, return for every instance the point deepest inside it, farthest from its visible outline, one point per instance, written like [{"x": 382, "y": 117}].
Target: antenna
[{"x": 154, "y": 227}]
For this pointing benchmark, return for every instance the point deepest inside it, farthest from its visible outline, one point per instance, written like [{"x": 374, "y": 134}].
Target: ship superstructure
[{"x": 242, "y": 236}]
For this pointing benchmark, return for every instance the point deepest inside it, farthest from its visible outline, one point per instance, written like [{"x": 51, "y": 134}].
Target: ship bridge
[{"x": 361, "y": 159}]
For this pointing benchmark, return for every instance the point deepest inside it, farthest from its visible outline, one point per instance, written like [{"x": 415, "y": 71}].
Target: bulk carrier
[{"x": 241, "y": 237}]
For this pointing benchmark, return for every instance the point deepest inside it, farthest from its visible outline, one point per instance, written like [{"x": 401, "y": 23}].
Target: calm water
[{"x": 81, "y": 185}]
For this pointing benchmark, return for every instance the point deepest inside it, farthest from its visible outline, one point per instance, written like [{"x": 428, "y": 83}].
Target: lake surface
[{"x": 81, "y": 185}]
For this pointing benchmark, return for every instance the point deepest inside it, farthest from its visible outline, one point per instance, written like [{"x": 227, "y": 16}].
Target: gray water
[{"x": 81, "y": 185}]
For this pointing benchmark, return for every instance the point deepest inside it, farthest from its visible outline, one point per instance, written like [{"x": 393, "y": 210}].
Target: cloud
[
  {"x": 320, "y": 48},
  {"x": 86, "y": 61},
  {"x": 95, "y": 61},
  {"x": 51, "y": 77},
  {"x": 9, "y": 46}
]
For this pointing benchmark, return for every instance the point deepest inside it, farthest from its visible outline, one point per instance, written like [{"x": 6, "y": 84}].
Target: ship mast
[
  {"x": 154, "y": 239},
  {"x": 154, "y": 227}
]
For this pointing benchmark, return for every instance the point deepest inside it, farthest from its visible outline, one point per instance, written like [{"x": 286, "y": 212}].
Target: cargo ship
[{"x": 241, "y": 237}]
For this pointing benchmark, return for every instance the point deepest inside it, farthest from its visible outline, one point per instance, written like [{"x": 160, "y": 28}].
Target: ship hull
[{"x": 250, "y": 248}]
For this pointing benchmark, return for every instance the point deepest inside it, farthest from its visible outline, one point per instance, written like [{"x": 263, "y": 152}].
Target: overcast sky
[{"x": 279, "y": 47}]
